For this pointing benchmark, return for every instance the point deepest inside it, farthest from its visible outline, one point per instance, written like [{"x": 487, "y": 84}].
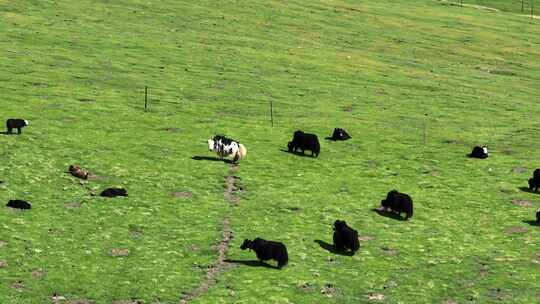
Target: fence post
[
  {"x": 145, "y": 97},
  {"x": 271, "y": 113}
]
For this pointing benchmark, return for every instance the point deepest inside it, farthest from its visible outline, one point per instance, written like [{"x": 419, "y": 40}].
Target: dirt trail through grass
[{"x": 219, "y": 265}]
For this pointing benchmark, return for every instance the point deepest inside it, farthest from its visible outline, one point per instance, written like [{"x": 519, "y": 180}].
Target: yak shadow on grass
[
  {"x": 330, "y": 248},
  {"x": 297, "y": 153},
  {"x": 228, "y": 161},
  {"x": 6, "y": 133},
  {"x": 526, "y": 189},
  {"x": 531, "y": 222},
  {"x": 388, "y": 214},
  {"x": 251, "y": 263}
]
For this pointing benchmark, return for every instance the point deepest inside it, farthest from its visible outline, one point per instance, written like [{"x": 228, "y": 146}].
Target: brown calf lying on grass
[{"x": 78, "y": 172}]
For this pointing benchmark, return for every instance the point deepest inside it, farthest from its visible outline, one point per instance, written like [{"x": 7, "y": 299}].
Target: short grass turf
[{"x": 417, "y": 86}]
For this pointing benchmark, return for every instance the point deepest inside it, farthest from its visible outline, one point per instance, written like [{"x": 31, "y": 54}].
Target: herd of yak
[{"x": 345, "y": 238}]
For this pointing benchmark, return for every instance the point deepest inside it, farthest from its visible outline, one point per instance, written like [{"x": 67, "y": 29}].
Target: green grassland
[
  {"x": 507, "y": 5},
  {"x": 416, "y": 84}
]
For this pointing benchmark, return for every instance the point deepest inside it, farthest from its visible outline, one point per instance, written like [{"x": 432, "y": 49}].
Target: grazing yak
[
  {"x": 398, "y": 202},
  {"x": 538, "y": 217},
  {"x": 345, "y": 237},
  {"x": 340, "y": 134},
  {"x": 78, "y": 172},
  {"x": 224, "y": 147},
  {"x": 16, "y": 124},
  {"x": 267, "y": 250},
  {"x": 305, "y": 141},
  {"x": 479, "y": 152},
  {"x": 19, "y": 204},
  {"x": 534, "y": 182},
  {"x": 113, "y": 192}
]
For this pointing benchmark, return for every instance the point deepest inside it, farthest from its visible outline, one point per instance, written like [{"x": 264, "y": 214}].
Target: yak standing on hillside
[
  {"x": 268, "y": 250},
  {"x": 16, "y": 124},
  {"x": 398, "y": 202},
  {"x": 534, "y": 182},
  {"x": 345, "y": 237},
  {"x": 224, "y": 147},
  {"x": 305, "y": 141}
]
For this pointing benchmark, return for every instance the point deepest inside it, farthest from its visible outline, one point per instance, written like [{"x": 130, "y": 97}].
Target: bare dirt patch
[
  {"x": 18, "y": 286},
  {"x": 182, "y": 194},
  {"x": 135, "y": 231},
  {"x": 72, "y": 205},
  {"x": 2, "y": 244},
  {"x": 390, "y": 251},
  {"x": 365, "y": 238},
  {"x": 119, "y": 252},
  {"x": 132, "y": 301},
  {"x": 375, "y": 297},
  {"x": 519, "y": 170},
  {"x": 305, "y": 287},
  {"x": 522, "y": 203},
  {"x": 449, "y": 301},
  {"x": 233, "y": 187},
  {"x": 37, "y": 273},
  {"x": 3, "y": 264},
  {"x": 330, "y": 290},
  {"x": 516, "y": 230},
  {"x": 214, "y": 269}
]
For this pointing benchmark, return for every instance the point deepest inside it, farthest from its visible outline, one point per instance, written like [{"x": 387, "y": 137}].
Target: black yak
[
  {"x": 268, "y": 250},
  {"x": 534, "y": 182},
  {"x": 16, "y": 124},
  {"x": 305, "y": 141},
  {"x": 19, "y": 204},
  {"x": 339, "y": 134},
  {"x": 398, "y": 202},
  {"x": 112, "y": 192},
  {"x": 345, "y": 237},
  {"x": 479, "y": 152}
]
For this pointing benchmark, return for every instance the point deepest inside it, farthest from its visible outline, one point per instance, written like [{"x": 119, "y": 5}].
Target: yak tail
[{"x": 242, "y": 151}]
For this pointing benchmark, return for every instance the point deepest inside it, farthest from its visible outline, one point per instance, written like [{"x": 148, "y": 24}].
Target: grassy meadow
[{"x": 416, "y": 85}]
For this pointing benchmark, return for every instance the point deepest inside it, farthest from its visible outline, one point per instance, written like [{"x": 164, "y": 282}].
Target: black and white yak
[
  {"x": 398, "y": 202},
  {"x": 16, "y": 124},
  {"x": 345, "y": 237},
  {"x": 268, "y": 250},
  {"x": 224, "y": 147},
  {"x": 305, "y": 141},
  {"x": 479, "y": 152},
  {"x": 19, "y": 204},
  {"x": 534, "y": 182}
]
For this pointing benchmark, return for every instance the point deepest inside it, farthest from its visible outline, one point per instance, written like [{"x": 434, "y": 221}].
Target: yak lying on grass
[
  {"x": 479, "y": 152},
  {"x": 16, "y": 123},
  {"x": 345, "y": 237},
  {"x": 19, "y": 204},
  {"x": 305, "y": 141},
  {"x": 113, "y": 192},
  {"x": 534, "y": 182},
  {"x": 78, "y": 172},
  {"x": 268, "y": 250},
  {"x": 398, "y": 202},
  {"x": 224, "y": 147},
  {"x": 340, "y": 134}
]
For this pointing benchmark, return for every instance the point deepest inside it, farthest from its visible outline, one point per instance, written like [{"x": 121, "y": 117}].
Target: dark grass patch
[
  {"x": 131, "y": 301},
  {"x": 294, "y": 209},
  {"x": 330, "y": 248},
  {"x": 86, "y": 100},
  {"x": 171, "y": 129},
  {"x": 526, "y": 189}
]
